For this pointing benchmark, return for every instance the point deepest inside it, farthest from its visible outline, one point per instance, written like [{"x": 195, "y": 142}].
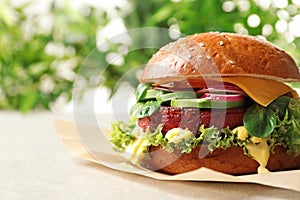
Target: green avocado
[
  {"x": 205, "y": 103},
  {"x": 151, "y": 94},
  {"x": 176, "y": 95}
]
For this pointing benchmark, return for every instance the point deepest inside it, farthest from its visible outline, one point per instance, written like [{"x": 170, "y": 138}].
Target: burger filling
[
  {"x": 179, "y": 115},
  {"x": 191, "y": 119}
]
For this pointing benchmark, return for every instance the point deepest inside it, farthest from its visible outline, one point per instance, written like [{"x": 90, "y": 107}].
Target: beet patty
[{"x": 192, "y": 118}]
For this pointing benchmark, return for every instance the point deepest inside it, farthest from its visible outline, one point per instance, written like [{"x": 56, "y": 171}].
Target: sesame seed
[
  {"x": 202, "y": 44},
  {"x": 200, "y": 57},
  {"x": 191, "y": 49},
  {"x": 189, "y": 57},
  {"x": 208, "y": 57},
  {"x": 230, "y": 61},
  {"x": 221, "y": 43}
]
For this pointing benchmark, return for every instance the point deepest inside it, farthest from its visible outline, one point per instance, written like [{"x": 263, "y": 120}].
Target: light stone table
[{"x": 34, "y": 164}]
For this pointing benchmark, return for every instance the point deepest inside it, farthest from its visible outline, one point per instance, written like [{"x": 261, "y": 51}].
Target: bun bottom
[{"x": 230, "y": 161}]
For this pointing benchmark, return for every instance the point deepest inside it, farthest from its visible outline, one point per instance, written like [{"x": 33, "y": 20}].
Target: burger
[{"x": 222, "y": 101}]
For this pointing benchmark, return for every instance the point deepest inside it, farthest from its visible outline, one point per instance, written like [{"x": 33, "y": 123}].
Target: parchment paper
[{"x": 68, "y": 132}]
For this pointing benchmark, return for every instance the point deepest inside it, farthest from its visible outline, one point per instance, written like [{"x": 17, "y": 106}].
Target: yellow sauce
[
  {"x": 261, "y": 153},
  {"x": 176, "y": 135},
  {"x": 255, "y": 139},
  {"x": 135, "y": 151},
  {"x": 241, "y": 132},
  {"x": 258, "y": 150}
]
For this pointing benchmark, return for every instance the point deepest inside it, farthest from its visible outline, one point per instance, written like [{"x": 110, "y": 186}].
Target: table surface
[{"x": 36, "y": 165}]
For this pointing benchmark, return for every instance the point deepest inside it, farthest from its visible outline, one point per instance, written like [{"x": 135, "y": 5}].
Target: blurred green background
[{"x": 43, "y": 43}]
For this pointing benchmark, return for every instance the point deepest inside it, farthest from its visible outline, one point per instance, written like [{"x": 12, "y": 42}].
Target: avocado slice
[
  {"x": 205, "y": 103},
  {"x": 176, "y": 95},
  {"x": 151, "y": 94}
]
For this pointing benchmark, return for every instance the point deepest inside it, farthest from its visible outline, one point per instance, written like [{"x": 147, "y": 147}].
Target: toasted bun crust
[
  {"x": 219, "y": 54},
  {"x": 230, "y": 161}
]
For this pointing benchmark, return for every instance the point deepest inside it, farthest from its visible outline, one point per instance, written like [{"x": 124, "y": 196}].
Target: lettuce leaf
[
  {"x": 294, "y": 108},
  {"x": 121, "y": 134},
  {"x": 293, "y": 125},
  {"x": 287, "y": 131}
]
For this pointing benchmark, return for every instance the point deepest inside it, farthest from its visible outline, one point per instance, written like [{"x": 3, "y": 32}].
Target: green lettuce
[
  {"x": 213, "y": 138},
  {"x": 292, "y": 125},
  {"x": 122, "y": 134},
  {"x": 287, "y": 131}
]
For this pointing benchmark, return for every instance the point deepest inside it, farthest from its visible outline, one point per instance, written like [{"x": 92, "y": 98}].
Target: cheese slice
[{"x": 262, "y": 91}]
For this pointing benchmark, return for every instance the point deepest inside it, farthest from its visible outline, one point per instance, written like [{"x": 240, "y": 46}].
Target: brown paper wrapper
[{"x": 76, "y": 145}]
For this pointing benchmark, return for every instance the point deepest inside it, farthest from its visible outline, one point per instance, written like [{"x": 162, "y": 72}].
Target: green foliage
[
  {"x": 39, "y": 59},
  {"x": 38, "y": 66},
  {"x": 207, "y": 15}
]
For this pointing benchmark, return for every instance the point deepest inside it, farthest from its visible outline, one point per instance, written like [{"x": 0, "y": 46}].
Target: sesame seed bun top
[{"x": 220, "y": 54}]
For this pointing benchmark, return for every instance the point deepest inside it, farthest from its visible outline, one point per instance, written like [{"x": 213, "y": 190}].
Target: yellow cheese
[
  {"x": 261, "y": 153},
  {"x": 263, "y": 91}
]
